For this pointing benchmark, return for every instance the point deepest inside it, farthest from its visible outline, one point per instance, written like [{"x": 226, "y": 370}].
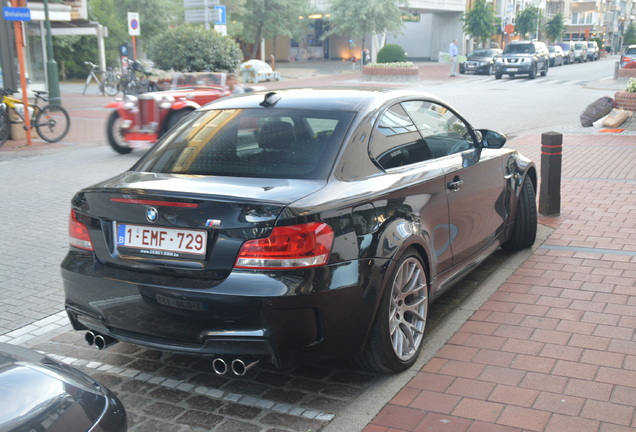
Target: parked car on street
[
  {"x": 276, "y": 226},
  {"x": 593, "y": 51},
  {"x": 556, "y": 55},
  {"x": 628, "y": 55},
  {"x": 523, "y": 58},
  {"x": 480, "y": 61},
  {"x": 568, "y": 51},
  {"x": 137, "y": 121},
  {"x": 40, "y": 394},
  {"x": 580, "y": 52}
]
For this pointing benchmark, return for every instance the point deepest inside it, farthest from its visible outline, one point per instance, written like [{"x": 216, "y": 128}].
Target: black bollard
[{"x": 550, "y": 190}]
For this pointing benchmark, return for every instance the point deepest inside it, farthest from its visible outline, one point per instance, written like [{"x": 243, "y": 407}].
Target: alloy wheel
[{"x": 408, "y": 308}]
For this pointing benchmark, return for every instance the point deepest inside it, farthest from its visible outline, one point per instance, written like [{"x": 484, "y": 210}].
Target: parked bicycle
[
  {"x": 51, "y": 121},
  {"x": 108, "y": 80},
  {"x": 132, "y": 84}
]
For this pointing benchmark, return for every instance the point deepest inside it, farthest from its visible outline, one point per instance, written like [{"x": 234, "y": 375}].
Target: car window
[
  {"x": 630, "y": 51},
  {"x": 519, "y": 49},
  {"x": 580, "y": 46},
  {"x": 396, "y": 141},
  {"x": 272, "y": 143},
  {"x": 443, "y": 132}
]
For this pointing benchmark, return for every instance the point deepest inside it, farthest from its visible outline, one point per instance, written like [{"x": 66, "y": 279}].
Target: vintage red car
[{"x": 139, "y": 121}]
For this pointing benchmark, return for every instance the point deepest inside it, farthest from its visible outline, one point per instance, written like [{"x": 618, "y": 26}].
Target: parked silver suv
[{"x": 523, "y": 58}]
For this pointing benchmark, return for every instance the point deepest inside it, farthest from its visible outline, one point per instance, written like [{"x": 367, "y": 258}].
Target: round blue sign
[{"x": 134, "y": 24}]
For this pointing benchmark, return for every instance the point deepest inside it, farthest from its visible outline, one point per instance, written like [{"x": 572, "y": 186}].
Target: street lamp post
[{"x": 51, "y": 65}]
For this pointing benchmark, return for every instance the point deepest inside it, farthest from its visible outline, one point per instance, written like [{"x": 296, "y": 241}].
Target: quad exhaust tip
[{"x": 239, "y": 367}]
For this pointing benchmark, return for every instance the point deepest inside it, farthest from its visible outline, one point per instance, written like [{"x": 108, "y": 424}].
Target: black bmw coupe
[{"x": 274, "y": 225}]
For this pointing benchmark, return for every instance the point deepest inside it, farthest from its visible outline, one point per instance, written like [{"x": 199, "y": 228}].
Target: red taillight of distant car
[
  {"x": 78, "y": 233},
  {"x": 297, "y": 246}
]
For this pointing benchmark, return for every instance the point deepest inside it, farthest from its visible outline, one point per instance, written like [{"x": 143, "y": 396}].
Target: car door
[
  {"x": 415, "y": 185},
  {"x": 474, "y": 178}
]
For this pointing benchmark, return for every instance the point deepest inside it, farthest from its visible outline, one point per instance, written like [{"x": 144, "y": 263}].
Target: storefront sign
[{"x": 16, "y": 14}]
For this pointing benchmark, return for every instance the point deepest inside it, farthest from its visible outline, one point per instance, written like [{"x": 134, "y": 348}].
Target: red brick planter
[
  {"x": 625, "y": 100},
  {"x": 371, "y": 73},
  {"x": 627, "y": 73}
]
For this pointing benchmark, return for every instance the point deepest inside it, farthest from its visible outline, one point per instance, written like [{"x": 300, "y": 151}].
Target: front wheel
[
  {"x": 533, "y": 72},
  {"x": 497, "y": 76},
  {"x": 524, "y": 229},
  {"x": 111, "y": 85},
  {"x": 115, "y": 137},
  {"x": 5, "y": 127},
  {"x": 398, "y": 330},
  {"x": 52, "y": 123}
]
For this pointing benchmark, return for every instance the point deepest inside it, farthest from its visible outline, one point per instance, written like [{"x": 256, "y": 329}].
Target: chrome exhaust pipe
[
  {"x": 102, "y": 342},
  {"x": 240, "y": 368},
  {"x": 219, "y": 366},
  {"x": 89, "y": 337}
]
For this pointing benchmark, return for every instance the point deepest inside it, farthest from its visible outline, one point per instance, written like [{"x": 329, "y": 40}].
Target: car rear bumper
[{"x": 277, "y": 316}]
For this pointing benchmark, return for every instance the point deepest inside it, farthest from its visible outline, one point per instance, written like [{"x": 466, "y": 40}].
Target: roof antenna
[{"x": 270, "y": 100}]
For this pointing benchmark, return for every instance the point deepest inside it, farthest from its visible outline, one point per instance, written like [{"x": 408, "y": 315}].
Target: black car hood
[{"x": 37, "y": 393}]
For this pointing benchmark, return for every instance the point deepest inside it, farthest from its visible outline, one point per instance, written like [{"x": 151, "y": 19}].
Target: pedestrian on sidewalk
[{"x": 454, "y": 52}]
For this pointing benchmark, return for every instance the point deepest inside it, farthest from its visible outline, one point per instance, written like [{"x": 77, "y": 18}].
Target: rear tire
[
  {"x": 400, "y": 323},
  {"x": 5, "y": 127},
  {"x": 113, "y": 132},
  {"x": 524, "y": 230},
  {"x": 52, "y": 123}
]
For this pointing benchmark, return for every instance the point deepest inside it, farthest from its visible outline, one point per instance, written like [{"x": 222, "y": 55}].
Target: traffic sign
[
  {"x": 222, "y": 15},
  {"x": 133, "y": 24},
  {"x": 16, "y": 14}
]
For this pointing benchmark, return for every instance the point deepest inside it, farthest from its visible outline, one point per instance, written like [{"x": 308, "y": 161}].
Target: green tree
[
  {"x": 207, "y": 50},
  {"x": 527, "y": 21},
  {"x": 268, "y": 19},
  {"x": 359, "y": 18},
  {"x": 555, "y": 28},
  {"x": 629, "y": 37},
  {"x": 479, "y": 22},
  {"x": 155, "y": 17}
]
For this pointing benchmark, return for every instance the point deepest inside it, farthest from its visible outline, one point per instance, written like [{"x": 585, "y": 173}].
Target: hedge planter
[
  {"x": 627, "y": 73},
  {"x": 625, "y": 100},
  {"x": 374, "y": 73}
]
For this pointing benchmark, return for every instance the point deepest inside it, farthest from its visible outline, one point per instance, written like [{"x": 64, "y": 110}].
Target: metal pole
[{"x": 51, "y": 65}]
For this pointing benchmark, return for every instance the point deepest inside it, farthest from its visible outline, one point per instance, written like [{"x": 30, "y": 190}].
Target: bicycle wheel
[
  {"x": 52, "y": 123},
  {"x": 111, "y": 84},
  {"x": 5, "y": 127}
]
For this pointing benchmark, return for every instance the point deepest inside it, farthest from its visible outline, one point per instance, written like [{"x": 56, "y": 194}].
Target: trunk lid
[{"x": 193, "y": 225}]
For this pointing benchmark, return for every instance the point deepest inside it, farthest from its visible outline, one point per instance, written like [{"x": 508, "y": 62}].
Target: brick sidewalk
[{"x": 554, "y": 349}]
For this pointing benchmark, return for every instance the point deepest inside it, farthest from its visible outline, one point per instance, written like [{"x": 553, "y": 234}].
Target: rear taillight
[
  {"x": 626, "y": 59},
  {"x": 296, "y": 246},
  {"x": 78, "y": 233}
]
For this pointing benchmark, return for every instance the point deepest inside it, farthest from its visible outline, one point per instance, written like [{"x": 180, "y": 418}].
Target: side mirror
[{"x": 491, "y": 139}]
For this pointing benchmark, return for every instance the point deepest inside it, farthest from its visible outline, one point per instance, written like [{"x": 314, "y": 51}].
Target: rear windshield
[
  {"x": 580, "y": 45},
  {"x": 519, "y": 49},
  {"x": 269, "y": 143},
  {"x": 630, "y": 51},
  {"x": 565, "y": 47}
]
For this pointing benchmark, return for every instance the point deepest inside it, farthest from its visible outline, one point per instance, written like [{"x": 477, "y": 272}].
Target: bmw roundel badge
[{"x": 152, "y": 214}]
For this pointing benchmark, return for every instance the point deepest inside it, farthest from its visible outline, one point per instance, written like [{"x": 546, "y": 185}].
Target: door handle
[{"x": 455, "y": 184}]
